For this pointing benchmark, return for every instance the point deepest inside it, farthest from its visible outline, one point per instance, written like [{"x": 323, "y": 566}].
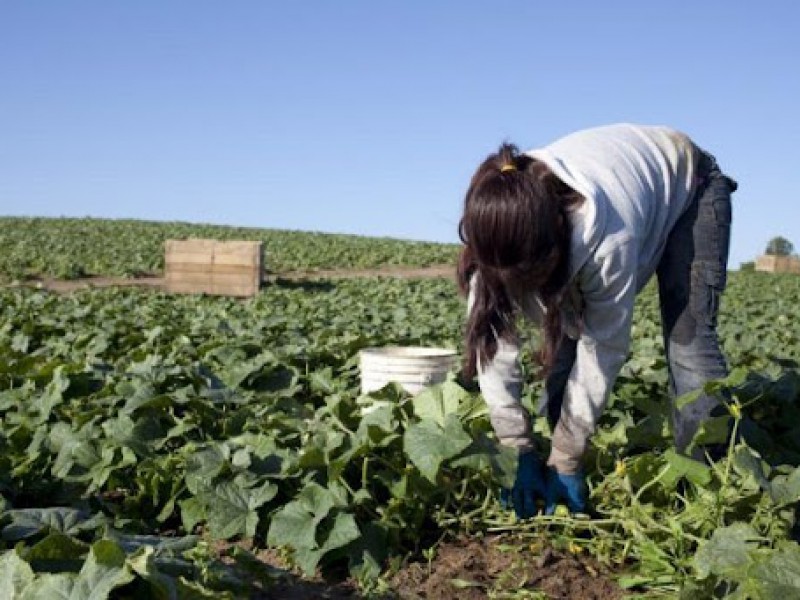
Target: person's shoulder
[{"x": 628, "y": 128}]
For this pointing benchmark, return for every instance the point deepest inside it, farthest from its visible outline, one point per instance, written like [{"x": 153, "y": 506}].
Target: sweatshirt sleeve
[
  {"x": 501, "y": 381},
  {"x": 608, "y": 287}
]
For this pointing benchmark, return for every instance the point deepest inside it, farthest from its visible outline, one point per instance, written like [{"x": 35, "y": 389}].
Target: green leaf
[
  {"x": 27, "y": 522},
  {"x": 144, "y": 565},
  {"x": 302, "y": 525},
  {"x": 715, "y": 387},
  {"x": 615, "y": 436},
  {"x": 15, "y": 575},
  {"x": 436, "y": 402},
  {"x": 51, "y": 586},
  {"x": 687, "y": 399},
  {"x": 241, "y": 458},
  {"x": 53, "y": 394},
  {"x": 753, "y": 471},
  {"x": 295, "y": 524},
  {"x": 142, "y": 435},
  {"x": 728, "y": 551},
  {"x": 192, "y": 512},
  {"x": 231, "y": 509},
  {"x": 775, "y": 574},
  {"x": 259, "y": 444},
  {"x": 323, "y": 381},
  {"x": 428, "y": 445},
  {"x": 239, "y": 371},
  {"x": 161, "y": 545},
  {"x": 57, "y": 552},
  {"x": 368, "y": 554},
  {"x": 785, "y": 489},
  {"x": 138, "y": 394},
  {"x": 204, "y": 465},
  {"x": 715, "y": 430},
  {"x": 261, "y": 571},
  {"x": 104, "y": 570},
  {"x": 682, "y": 466},
  {"x": 343, "y": 532},
  {"x": 644, "y": 468},
  {"x": 485, "y": 452},
  {"x": 378, "y": 427}
]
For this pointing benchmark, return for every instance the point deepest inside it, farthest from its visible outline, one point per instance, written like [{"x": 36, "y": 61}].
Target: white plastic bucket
[{"x": 413, "y": 367}]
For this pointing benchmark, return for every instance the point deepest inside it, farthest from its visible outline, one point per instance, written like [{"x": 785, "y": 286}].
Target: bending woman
[{"x": 567, "y": 235}]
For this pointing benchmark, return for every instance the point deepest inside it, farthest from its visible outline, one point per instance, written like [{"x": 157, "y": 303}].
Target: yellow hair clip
[{"x": 508, "y": 167}]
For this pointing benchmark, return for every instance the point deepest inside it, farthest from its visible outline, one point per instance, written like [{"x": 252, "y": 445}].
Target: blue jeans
[{"x": 691, "y": 278}]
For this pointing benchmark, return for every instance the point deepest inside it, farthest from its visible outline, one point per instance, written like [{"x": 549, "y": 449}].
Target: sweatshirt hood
[{"x": 588, "y": 221}]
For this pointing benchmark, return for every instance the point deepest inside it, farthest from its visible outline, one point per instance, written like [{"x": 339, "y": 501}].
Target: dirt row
[
  {"x": 158, "y": 282},
  {"x": 461, "y": 569}
]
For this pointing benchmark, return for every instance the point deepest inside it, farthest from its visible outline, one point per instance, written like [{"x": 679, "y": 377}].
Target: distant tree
[
  {"x": 779, "y": 246},
  {"x": 747, "y": 266}
]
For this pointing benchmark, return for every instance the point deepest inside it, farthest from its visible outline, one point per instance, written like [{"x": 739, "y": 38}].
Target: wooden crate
[
  {"x": 778, "y": 264},
  {"x": 213, "y": 267}
]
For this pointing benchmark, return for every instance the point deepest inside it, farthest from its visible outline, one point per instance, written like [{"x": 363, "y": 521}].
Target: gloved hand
[
  {"x": 528, "y": 487},
  {"x": 571, "y": 488}
]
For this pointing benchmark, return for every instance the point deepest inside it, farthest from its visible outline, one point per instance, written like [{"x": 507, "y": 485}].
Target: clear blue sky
[{"x": 368, "y": 117}]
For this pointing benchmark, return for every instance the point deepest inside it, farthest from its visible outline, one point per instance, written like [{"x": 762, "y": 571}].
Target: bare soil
[
  {"x": 465, "y": 569},
  {"x": 447, "y": 270},
  {"x": 472, "y": 569},
  {"x": 65, "y": 286},
  {"x": 157, "y": 282}
]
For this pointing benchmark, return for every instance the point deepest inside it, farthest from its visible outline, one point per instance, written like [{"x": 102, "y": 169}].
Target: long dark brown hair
[{"x": 516, "y": 234}]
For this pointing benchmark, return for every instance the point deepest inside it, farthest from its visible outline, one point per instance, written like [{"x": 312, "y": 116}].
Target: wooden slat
[
  {"x": 189, "y": 258},
  {"x": 187, "y": 288},
  {"x": 237, "y": 258},
  {"x": 192, "y": 245},
  {"x": 189, "y": 276},
  {"x": 217, "y": 278},
  {"x": 241, "y": 270}
]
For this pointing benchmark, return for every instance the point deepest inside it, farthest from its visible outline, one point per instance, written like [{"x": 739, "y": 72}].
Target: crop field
[
  {"x": 156, "y": 446},
  {"x": 74, "y": 248}
]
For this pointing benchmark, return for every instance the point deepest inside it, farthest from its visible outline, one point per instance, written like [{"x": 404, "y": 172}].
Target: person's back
[{"x": 637, "y": 181}]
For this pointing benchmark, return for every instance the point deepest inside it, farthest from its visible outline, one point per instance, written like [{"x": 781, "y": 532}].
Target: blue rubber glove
[
  {"x": 528, "y": 487},
  {"x": 571, "y": 488}
]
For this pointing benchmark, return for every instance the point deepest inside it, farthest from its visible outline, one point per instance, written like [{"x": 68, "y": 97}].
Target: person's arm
[
  {"x": 501, "y": 381},
  {"x": 608, "y": 286}
]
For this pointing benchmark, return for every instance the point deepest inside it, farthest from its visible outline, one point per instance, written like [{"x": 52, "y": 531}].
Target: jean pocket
[
  {"x": 722, "y": 210},
  {"x": 708, "y": 283}
]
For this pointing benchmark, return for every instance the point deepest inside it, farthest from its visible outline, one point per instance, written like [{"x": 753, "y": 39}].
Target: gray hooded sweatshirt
[{"x": 636, "y": 182}]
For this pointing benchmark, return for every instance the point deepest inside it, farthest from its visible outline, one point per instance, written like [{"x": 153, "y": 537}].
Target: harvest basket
[{"x": 413, "y": 367}]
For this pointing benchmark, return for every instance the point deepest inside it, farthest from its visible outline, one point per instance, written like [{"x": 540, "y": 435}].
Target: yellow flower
[
  {"x": 620, "y": 469},
  {"x": 561, "y": 511}
]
